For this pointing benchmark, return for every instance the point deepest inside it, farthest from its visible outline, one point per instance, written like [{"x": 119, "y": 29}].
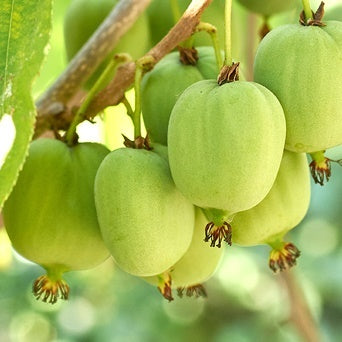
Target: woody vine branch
[{"x": 52, "y": 107}]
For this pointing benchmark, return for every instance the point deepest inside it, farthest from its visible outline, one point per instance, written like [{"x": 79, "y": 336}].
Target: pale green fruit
[
  {"x": 225, "y": 144},
  {"x": 145, "y": 221},
  {"x": 280, "y": 211},
  {"x": 268, "y": 7},
  {"x": 165, "y": 83},
  {"x": 199, "y": 262},
  {"x": 302, "y": 66},
  {"x": 50, "y": 215}
]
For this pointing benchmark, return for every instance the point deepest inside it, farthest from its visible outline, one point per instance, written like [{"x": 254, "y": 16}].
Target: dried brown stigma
[
  {"x": 218, "y": 233},
  {"x": 50, "y": 290},
  {"x": 164, "y": 285},
  {"x": 320, "y": 167},
  {"x": 192, "y": 291},
  {"x": 283, "y": 258}
]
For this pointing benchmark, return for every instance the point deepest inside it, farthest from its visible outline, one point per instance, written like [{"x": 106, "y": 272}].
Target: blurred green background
[{"x": 246, "y": 302}]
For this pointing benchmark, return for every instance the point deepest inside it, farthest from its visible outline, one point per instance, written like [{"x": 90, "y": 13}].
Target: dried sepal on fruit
[
  {"x": 283, "y": 256},
  {"x": 49, "y": 290}
]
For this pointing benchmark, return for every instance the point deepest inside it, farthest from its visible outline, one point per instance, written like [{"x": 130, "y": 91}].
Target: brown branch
[
  {"x": 97, "y": 48},
  {"x": 124, "y": 77},
  {"x": 301, "y": 316}
]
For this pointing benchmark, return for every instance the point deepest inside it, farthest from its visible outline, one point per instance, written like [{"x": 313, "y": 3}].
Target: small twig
[
  {"x": 124, "y": 77},
  {"x": 300, "y": 316},
  {"x": 54, "y": 101}
]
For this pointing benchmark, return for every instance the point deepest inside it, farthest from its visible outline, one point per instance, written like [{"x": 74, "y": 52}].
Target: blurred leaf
[{"x": 24, "y": 33}]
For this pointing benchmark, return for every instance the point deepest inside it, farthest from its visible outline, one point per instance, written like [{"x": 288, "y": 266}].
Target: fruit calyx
[
  {"x": 283, "y": 256},
  {"x": 316, "y": 19},
  {"x": 320, "y": 167},
  {"x": 188, "y": 56},
  {"x": 138, "y": 143},
  {"x": 164, "y": 285},
  {"x": 228, "y": 73},
  {"x": 218, "y": 233},
  {"x": 197, "y": 291},
  {"x": 218, "y": 228},
  {"x": 49, "y": 290}
]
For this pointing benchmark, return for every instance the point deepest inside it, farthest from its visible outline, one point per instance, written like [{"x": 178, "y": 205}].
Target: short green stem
[
  {"x": 143, "y": 64},
  {"x": 217, "y": 216},
  {"x": 99, "y": 84},
  {"x": 189, "y": 43},
  {"x": 228, "y": 34},
  {"x": 277, "y": 244},
  {"x": 212, "y": 31},
  {"x": 318, "y": 157},
  {"x": 130, "y": 111},
  {"x": 307, "y": 9},
  {"x": 55, "y": 272}
]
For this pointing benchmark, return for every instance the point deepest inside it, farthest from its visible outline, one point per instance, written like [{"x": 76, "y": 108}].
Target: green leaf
[{"x": 24, "y": 33}]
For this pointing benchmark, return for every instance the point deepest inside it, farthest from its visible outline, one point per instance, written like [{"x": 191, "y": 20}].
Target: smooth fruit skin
[
  {"x": 198, "y": 263},
  {"x": 268, "y": 7},
  {"x": 145, "y": 221},
  {"x": 225, "y": 144},
  {"x": 302, "y": 66},
  {"x": 165, "y": 83},
  {"x": 82, "y": 19},
  {"x": 50, "y": 216},
  {"x": 282, "y": 209}
]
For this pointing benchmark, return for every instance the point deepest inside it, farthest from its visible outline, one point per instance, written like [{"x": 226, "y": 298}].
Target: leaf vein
[{"x": 7, "y": 58}]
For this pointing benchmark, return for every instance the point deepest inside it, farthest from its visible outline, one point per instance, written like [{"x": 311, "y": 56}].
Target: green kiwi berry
[
  {"x": 50, "y": 215},
  {"x": 145, "y": 221},
  {"x": 195, "y": 267},
  {"x": 302, "y": 66},
  {"x": 165, "y": 83},
  {"x": 225, "y": 146},
  {"x": 280, "y": 211}
]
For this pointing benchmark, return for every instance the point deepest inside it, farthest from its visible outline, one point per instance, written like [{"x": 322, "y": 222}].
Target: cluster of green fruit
[{"x": 214, "y": 169}]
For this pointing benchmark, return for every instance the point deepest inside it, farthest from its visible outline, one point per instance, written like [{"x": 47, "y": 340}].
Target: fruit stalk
[
  {"x": 228, "y": 34},
  {"x": 212, "y": 31},
  {"x": 307, "y": 9},
  {"x": 99, "y": 84},
  {"x": 143, "y": 64}
]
